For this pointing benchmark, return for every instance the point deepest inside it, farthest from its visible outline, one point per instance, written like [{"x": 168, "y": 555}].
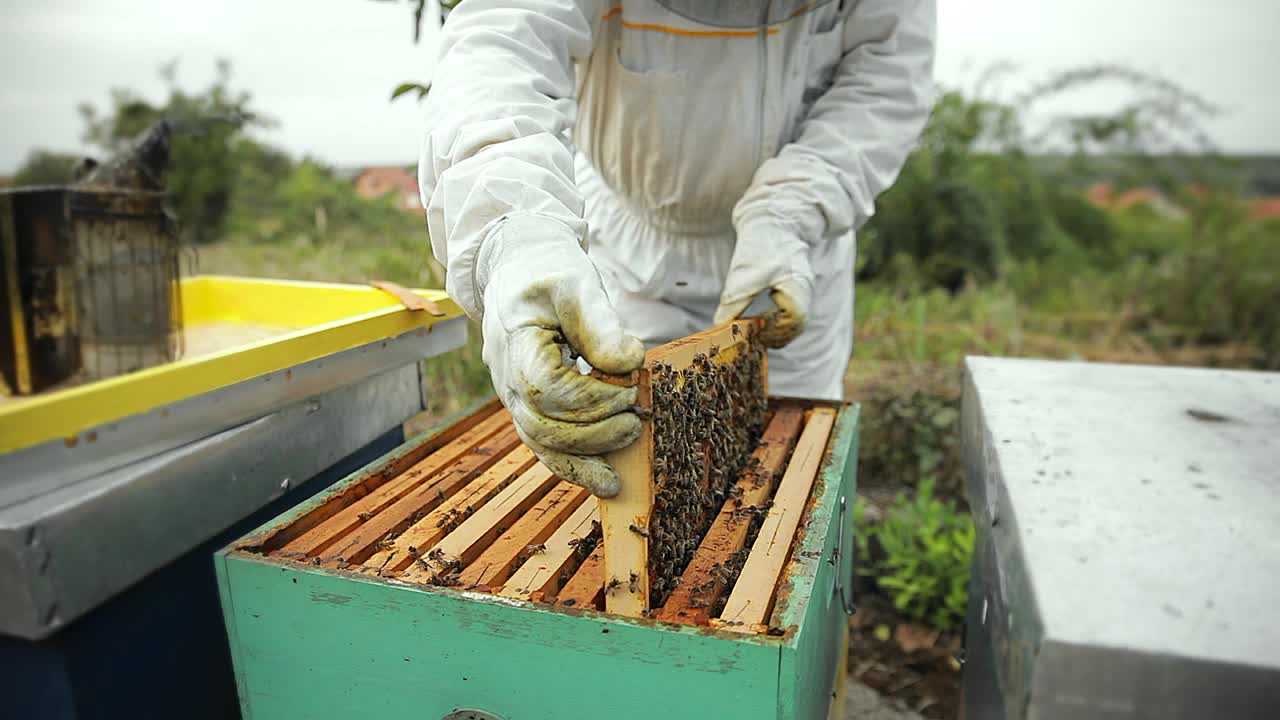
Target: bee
[
  {"x": 634, "y": 585},
  {"x": 614, "y": 584},
  {"x": 536, "y": 548},
  {"x": 364, "y": 516},
  {"x": 639, "y": 530}
]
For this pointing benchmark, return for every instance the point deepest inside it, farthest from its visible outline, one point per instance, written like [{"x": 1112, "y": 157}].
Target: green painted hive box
[{"x": 455, "y": 577}]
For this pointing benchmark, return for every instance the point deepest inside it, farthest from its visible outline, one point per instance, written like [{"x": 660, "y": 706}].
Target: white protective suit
[{"x": 701, "y": 159}]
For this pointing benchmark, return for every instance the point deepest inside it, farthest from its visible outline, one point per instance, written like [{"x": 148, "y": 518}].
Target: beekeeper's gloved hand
[
  {"x": 542, "y": 296},
  {"x": 769, "y": 257}
]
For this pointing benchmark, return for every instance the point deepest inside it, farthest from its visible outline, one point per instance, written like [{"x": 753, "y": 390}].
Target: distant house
[
  {"x": 1265, "y": 208},
  {"x": 376, "y": 182},
  {"x": 1100, "y": 194},
  {"x": 1103, "y": 195}
]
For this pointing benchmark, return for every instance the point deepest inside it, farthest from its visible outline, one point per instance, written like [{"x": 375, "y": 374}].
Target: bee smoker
[
  {"x": 91, "y": 272},
  {"x": 39, "y": 328}
]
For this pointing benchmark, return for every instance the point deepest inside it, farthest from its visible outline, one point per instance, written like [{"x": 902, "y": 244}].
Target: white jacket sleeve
[
  {"x": 857, "y": 136},
  {"x": 498, "y": 113}
]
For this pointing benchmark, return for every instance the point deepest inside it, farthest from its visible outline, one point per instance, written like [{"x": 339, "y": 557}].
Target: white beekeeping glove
[
  {"x": 768, "y": 257},
  {"x": 543, "y": 300}
]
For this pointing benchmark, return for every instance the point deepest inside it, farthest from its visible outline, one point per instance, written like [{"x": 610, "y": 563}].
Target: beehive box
[{"x": 457, "y": 574}]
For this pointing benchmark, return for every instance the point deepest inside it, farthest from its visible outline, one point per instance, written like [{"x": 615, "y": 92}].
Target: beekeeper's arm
[
  {"x": 850, "y": 149},
  {"x": 505, "y": 217}
]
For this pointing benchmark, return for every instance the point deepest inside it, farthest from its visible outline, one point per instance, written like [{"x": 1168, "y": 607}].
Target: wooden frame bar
[
  {"x": 448, "y": 447},
  {"x": 751, "y": 600},
  {"x": 625, "y": 518},
  {"x": 701, "y": 584},
  {"x": 628, "y": 551},
  {"x": 586, "y": 588},
  {"x": 359, "y": 545},
  {"x": 453, "y": 512},
  {"x": 540, "y": 576},
  {"x": 499, "y": 560},
  {"x": 276, "y": 539},
  {"x": 469, "y": 540}
]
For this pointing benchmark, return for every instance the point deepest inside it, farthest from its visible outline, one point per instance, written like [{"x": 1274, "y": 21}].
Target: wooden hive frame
[{"x": 626, "y": 518}]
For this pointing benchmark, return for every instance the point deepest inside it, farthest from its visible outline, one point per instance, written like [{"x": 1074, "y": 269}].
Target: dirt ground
[
  {"x": 863, "y": 703},
  {"x": 910, "y": 666}
]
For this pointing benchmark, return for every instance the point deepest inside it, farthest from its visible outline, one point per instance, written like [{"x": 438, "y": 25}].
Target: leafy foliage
[
  {"x": 419, "y": 12},
  {"x": 911, "y": 430},
  {"x": 43, "y": 167},
  {"x": 978, "y": 194},
  {"x": 209, "y": 127},
  {"x": 410, "y": 87},
  {"x": 925, "y": 547},
  {"x": 1222, "y": 283}
]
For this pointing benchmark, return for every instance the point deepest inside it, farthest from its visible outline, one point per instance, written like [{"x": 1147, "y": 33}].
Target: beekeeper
[{"x": 610, "y": 175}]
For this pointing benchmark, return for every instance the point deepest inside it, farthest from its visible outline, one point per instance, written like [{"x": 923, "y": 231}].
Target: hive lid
[{"x": 1127, "y": 523}]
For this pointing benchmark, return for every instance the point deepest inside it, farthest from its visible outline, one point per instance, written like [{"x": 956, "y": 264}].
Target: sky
[{"x": 324, "y": 69}]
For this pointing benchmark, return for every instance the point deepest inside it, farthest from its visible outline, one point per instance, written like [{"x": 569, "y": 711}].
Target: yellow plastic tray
[{"x": 236, "y": 329}]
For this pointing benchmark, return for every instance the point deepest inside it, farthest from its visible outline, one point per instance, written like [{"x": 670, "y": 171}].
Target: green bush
[
  {"x": 911, "y": 430},
  {"x": 988, "y": 188},
  {"x": 208, "y": 124},
  {"x": 925, "y": 547},
  {"x": 1222, "y": 283},
  {"x": 43, "y": 167}
]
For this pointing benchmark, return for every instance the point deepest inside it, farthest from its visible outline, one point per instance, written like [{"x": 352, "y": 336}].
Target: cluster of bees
[
  {"x": 444, "y": 570},
  {"x": 707, "y": 418}
]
